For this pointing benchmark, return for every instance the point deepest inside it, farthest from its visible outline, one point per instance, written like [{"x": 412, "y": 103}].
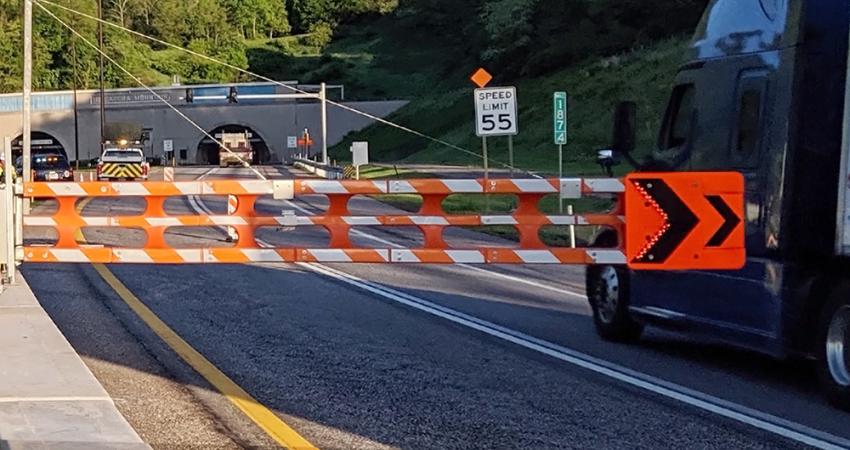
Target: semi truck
[
  {"x": 235, "y": 149},
  {"x": 763, "y": 91}
]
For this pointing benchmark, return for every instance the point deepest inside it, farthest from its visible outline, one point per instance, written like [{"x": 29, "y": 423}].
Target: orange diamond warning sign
[{"x": 481, "y": 78}]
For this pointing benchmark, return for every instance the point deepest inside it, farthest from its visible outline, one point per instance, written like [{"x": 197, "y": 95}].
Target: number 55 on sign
[{"x": 496, "y": 112}]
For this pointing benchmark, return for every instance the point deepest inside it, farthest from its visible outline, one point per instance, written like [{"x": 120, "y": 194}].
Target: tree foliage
[{"x": 518, "y": 37}]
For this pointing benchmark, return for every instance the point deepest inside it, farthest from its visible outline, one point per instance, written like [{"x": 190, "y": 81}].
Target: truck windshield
[{"x": 122, "y": 154}]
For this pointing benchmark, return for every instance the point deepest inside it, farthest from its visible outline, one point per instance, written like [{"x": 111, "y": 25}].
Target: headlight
[{"x": 66, "y": 174}]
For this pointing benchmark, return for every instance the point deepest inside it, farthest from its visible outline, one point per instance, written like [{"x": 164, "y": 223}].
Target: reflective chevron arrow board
[{"x": 684, "y": 221}]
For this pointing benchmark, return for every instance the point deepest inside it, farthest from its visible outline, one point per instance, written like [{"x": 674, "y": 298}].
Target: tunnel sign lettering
[{"x": 496, "y": 112}]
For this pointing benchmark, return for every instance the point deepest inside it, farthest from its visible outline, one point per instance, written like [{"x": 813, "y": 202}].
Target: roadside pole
[
  {"x": 9, "y": 227},
  {"x": 486, "y": 172},
  {"x": 561, "y": 174},
  {"x": 511, "y": 155},
  {"x": 559, "y": 126},
  {"x": 495, "y": 115},
  {"x": 27, "y": 101},
  {"x": 323, "y": 97}
]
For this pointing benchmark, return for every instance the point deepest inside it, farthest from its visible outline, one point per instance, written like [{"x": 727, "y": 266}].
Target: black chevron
[
  {"x": 731, "y": 221},
  {"x": 682, "y": 221}
]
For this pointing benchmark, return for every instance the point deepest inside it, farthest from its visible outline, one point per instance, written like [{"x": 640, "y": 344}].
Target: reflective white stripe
[
  {"x": 380, "y": 185},
  {"x": 607, "y": 256},
  {"x": 69, "y": 255},
  {"x": 190, "y": 188},
  {"x": 327, "y": 187},
  {"x": 134, "y": 189},
  {"x": 463, "y": 186},
  {"x": 563, "y": 220},
  {"x": 403, "y": 256},
  {"x": 429, "y": 220},
  {"x": 383, "y": 253},
  {"x": 466, "y": 256},
  {"x": 232, "y": 204},
  {"x": 195, "y": 256},
  {"x": 540, "y": 186},
  {"x": 498, "y": 220},
  {"x": 228, "y": 220},
  {"x": 132, "y": 256},
  {"x": 294, "y": 221},
  {"x": 98, "y": 221},
  {"x": 257, "y": 187},
  {"x": 261, "y": 255},
  {"x": 603, "y": 185},
  {"x": 361, "y": 221},
  {"x": 67, "y": 189},
  {"x": 164, "y": 222},
  {"x": 330, "y": 255},
  {"x": 36, "y": 221},
  {"x": 537, "y": 256},
  {"x": 401, "y": 187}
]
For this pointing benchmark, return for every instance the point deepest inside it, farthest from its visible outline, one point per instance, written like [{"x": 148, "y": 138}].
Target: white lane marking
[
  {"x": 724, "y": 408},
  {"x": 490, "y": 273},
  {"x": 699, "y": 400},
  {"x": 524, "y": 281}
]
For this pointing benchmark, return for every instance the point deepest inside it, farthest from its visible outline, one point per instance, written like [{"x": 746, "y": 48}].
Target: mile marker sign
[{"x": 496, "y": 112}]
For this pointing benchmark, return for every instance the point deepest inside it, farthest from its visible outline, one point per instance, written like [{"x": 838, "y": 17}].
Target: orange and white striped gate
[{"x": 431, "y": 220}]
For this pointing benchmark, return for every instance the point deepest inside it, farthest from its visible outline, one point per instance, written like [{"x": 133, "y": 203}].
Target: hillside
[
  {"x": 594, "y": 86},
  {"x": 600, "y": 51}
]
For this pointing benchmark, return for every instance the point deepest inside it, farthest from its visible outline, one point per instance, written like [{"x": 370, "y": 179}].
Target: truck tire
[
  {"x": 608, "y": 293},
  {"x": 834, "y": 348}
]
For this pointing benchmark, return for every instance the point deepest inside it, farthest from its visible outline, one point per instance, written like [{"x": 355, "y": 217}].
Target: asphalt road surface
[{"x": 389, "y": 356}]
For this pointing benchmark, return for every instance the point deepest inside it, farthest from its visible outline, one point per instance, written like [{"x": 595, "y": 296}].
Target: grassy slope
[
  {"x": 644, "y": 76},
  {"x": 383, "y": 60}
]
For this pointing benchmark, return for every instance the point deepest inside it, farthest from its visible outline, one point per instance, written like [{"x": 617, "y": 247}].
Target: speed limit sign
[{"x": 496, "y": 112}]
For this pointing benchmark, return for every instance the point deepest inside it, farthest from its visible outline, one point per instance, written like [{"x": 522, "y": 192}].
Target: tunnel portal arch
[
  {"x": 41, "y": 143},
  {"x": 208, "y": 151}
]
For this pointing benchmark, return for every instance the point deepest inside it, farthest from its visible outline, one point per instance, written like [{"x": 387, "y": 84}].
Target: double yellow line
[{"x": 267, "y": 420}]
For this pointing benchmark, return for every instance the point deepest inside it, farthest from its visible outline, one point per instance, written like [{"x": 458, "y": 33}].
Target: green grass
[{"x": 594, "y": 87}]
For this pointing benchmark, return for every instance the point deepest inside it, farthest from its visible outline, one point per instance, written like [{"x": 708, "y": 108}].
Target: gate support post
[{"x": 7, "y": 217}]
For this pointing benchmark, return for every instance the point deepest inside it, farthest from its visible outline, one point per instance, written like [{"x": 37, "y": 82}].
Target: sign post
[
  {"x": 559, "y": 119},
  {"x": 495, "y": 115}
]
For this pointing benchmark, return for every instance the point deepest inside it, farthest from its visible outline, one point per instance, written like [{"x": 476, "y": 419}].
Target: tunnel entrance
[
  {"x": 208, "y": 151},
  {"x": 41, "y": 143}
]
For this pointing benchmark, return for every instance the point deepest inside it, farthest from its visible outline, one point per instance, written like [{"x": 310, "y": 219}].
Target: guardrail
[{"x": 327, "y": 172}]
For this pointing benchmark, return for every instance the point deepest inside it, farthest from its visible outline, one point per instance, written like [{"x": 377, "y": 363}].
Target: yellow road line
[{"x": 267, "y": 420}]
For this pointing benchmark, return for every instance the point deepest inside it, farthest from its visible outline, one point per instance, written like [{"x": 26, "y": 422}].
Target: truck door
[{"x": 729, "y": 134}]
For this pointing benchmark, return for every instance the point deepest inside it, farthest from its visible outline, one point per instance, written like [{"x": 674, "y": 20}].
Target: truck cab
[
  {"x": 762, "y": 92},
  {"x": 122, "y": 160}
]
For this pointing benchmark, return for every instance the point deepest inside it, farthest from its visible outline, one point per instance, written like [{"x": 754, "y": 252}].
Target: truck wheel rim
[
  {"x": 838, "y": 346},
  {"x": 609, "y": 294}
]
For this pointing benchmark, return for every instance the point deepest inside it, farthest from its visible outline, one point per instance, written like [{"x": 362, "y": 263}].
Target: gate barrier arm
[
  {"x": 667, "y": 221},
  {"x": 337, "y": 220}
]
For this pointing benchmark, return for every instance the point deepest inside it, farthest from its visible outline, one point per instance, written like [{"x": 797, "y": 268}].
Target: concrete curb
[{"x": 48, "y": 397}]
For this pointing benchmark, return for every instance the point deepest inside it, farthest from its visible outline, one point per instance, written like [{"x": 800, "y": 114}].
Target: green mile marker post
[{"x": 559, "y": 118}]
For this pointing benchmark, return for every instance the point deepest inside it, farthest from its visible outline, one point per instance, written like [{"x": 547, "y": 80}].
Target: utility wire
[
  {"x": 154, "y": 93},
  {"x": 292, "y": 88}
]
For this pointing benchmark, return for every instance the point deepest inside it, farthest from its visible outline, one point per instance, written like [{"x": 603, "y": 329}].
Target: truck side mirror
[{"x": 625, "y": 128}]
